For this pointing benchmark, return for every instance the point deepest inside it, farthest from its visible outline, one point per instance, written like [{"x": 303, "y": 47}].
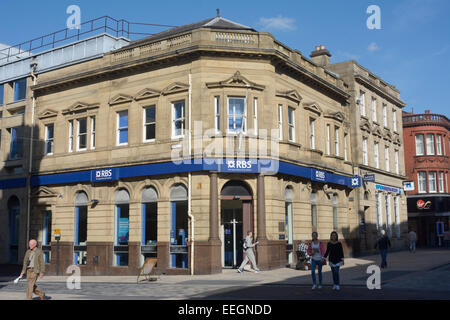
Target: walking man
[
  {"x": 249, "y": 254},
  {"x": 383, "y": 244},
  {"x": 412, "y": 236},
  {"x": 34, "y": 267}
]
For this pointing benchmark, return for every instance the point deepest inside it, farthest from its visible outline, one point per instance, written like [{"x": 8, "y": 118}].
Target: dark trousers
[
  {"x": 383, "y": 253},
  {"x": 335, "y": 272}
]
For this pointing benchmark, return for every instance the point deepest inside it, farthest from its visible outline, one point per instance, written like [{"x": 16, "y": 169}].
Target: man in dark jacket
[
  {"x": 34, "y": 267},
  {"x": 383, "y": 244}
]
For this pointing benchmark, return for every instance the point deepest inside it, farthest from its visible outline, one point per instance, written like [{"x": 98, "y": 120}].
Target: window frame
[
  {"x": 336, "y": 141},
  {"x": 374, "y": 110},
  {"x": 80, "y": 134},
  {"x": 417, "y": 135},
  {"x": 365, "y": 155},
  {"x": 93, "y": 124},
  {"x": 387, "y": 165},
  {"x": 145, "y": 123},
  {"x": 385, "y": 121},
  {"x": 312, "y": 133},
  {"x": 441, "y": 182},
  {"x": 328, "y": 137},
  {"x": 71, "y": 134},
  {"x": 15, "y": 83},
  {"x": 439, "y": 145},
  {"x": 430, "y": 182},
  {"x": 291, "y": 124},
  {"x": 376, "y": 154},
  {"x": 431, "y": 149},
  {"x": 217, "y": 114},
  {"x": 233, "y": 115},
  {"x": 47, "y": 139},
  {"x": 255, "y": 116},
  {"x": 280, "y": 121},
  {"x": 362, "y": 102},
  {"x": 423, "y": 180},
  {"x": 119, "y": 129}
]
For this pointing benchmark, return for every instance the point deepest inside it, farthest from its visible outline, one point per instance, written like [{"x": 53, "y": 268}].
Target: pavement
[{"x": 421, "y": 275}]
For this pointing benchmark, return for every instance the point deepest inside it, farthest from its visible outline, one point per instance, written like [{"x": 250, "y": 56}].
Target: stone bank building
[{"x": 107, "y": 128}]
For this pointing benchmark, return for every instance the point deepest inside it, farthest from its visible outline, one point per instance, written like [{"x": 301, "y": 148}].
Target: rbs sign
[{"x": 103, "y": 175}]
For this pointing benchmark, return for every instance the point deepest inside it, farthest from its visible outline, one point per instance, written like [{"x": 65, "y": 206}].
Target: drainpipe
[
  {"x": 191, "y": 217},
  {"x": 33, "y": 98}
]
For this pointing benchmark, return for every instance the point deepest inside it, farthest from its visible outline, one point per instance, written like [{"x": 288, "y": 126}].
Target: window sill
[
  {"x": 315, "y": 151},
  {"x": 149, "y": 141}
]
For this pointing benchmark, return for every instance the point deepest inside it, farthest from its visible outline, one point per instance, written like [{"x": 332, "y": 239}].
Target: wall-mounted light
[{"x": 94, "y": 201}]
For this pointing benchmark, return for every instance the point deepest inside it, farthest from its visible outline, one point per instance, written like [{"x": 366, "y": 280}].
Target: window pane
[
  {"x": 236, "y": 104},
  {"x": 150, "y": 131},
  {"x": 123, "y": 119},
  {"x": 20, "y": 87},
  {"x": 430, "y": 144},
  {"x": 150, "y": 114},
  {"x": 82, "y": 141},
  {"x": 82, "y": 123},
  {"x": 179, "y": 112},
  {"x": 2, "y": 90},
  {"x": 123, "y": 136}
]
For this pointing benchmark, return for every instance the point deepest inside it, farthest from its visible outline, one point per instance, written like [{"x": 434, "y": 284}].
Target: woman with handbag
[
  {"x": 336, "y": 257},
  {"x": 316, "y": 251}
]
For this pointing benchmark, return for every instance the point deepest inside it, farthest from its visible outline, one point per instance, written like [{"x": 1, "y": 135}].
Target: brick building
[{"x": 426, "y": 138}]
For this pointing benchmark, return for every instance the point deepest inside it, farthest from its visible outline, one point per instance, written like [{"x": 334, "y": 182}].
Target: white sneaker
[
  {"x": 334, "y": 287},
  {"x": 314, "y": 287},
  {"x": 239, "y": 270},
  {"x": 338, "y": 288},
  {"x": 256, "y": 271},
  {"x": 320, "y": 287}
]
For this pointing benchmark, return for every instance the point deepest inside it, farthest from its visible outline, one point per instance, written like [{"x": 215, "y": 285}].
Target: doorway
[{"x": 236, "y": 220}]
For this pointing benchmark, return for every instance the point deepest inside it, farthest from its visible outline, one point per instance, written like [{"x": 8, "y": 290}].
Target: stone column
[
  {"x": 261, "y": 208},
  {"x": 213, "y": 207}
]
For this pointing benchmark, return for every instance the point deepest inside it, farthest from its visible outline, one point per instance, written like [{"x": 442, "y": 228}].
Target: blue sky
[{"x": 411, "y": 51}]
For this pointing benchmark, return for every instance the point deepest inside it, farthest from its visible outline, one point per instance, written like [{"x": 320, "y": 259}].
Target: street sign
[
  {"x": 369, "y": 178},
  {"x": 57, "y": 234},
  {"x": 408, "y": 186}
]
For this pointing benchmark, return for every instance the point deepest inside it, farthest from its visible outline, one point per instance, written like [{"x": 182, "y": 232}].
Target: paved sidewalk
[{"x": 405, "y": 270}]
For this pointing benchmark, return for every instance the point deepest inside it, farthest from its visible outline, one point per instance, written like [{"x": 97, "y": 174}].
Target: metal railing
[{"x": 105, "y": 24}]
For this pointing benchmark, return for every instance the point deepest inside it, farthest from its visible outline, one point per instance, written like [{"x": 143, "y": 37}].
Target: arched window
[
  {"x": 122, "y": 226},
  {"x": 149, "y": 217},
  {"x": 81, "y": 214},
  {"x": 14, "y": 224},
  {"x": 179, "y": 226}
]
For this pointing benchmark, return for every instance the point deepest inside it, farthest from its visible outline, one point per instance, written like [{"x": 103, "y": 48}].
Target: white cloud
[
  {"x": 373, "y": 47},
  {"x": 278, "y": 23}
]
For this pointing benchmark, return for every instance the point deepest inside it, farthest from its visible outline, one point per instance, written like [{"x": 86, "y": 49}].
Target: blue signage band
[{"x": 225, "y": 165}]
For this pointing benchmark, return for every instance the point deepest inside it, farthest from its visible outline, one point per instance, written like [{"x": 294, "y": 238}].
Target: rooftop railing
[
  {"x": 105, "y": 24},
  {"x": 417, "y": 119}
]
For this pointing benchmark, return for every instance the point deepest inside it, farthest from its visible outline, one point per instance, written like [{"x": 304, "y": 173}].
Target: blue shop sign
[
  {"x": 101, "y": 175},
  {"x": 369, "y": 178},
  {"x": 355, "y": 182},
  {"x": 388, "y": 189}
]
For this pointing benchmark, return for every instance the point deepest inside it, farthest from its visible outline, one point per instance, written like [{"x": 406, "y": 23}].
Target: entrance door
[{"x": 232, "y": 234}]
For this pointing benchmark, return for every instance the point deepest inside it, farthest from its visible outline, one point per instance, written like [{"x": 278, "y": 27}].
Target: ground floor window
[
  {"x": 149, "y": 223},
  {"x": 179, "y": 227},
  {"x": 378, "y": 211},
  {"x": 122, "y": 225},
  {"x": 47, "y": 235},
  {"x": 14, "y": 223}
]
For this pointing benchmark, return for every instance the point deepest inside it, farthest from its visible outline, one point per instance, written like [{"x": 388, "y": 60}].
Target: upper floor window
[
  {"x": 441, "y": 182},
  {"x": 92, "y": 132},
  {"x": 70, "y": 135},
  {"x": 312, "y": 139},
  {"x": 430, "y": 144},
  {"x": 328, "y": 140},
  {"x": 336, "y": 141},
  {"x": 422, "y": 181},
  {"x": 365, "y": 158},
  {"x": 255, "y": 116},
  {"x": 122, "y": 128},
  {"x": 362, "y": 102},
  {"x": 376, "y": 155},
  {"x": 291, "y": 123},
  {"x": 420, "y": 147},
  {"x": 280, "y": 121},
  {"x": 397, "y": 166},
  {"x": 149, "y": 123},
  {"x": 49, "y": 139},
  {"x": 2, "y": 93},
  {"x": 16, "y": 147},
  {"x": 385, "y": 122},
  {"x": 386, "y": 158},
  {"x": 394, "y": 120},
  {"x": 20, "y": 89},
  {"x": 236, "y": 115},
  {"x": 374, "y": 109},
  {"x": 432, "y": 182},
  {"x": 217, "y": 113},
  {"x": 82, "y": 134},
  {"x": 439, "y": 145},
  {"x": 345, "y": 147}
]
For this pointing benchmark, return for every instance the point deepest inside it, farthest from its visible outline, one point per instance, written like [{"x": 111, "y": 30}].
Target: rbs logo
[
  {"x": 239, "y": 164},
  {"x": 103, "y": 174},
  {"x": 320, "y": 175}
]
